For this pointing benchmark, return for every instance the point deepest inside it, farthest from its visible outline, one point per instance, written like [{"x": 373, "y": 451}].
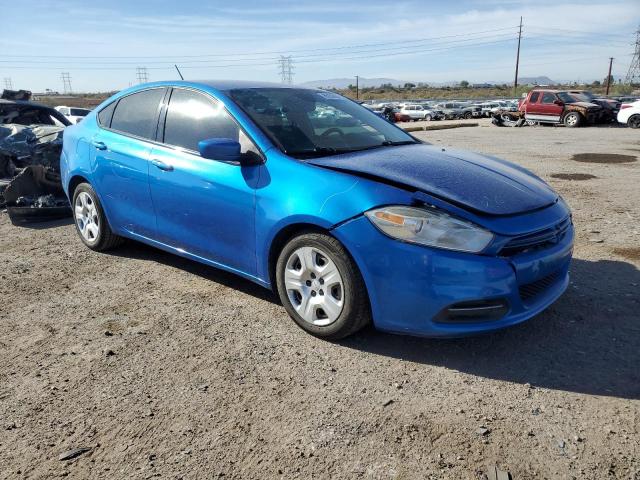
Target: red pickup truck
[{"x": 558, "y": 106}]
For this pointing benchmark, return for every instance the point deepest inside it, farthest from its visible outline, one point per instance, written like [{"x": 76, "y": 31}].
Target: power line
[
  {"x": 8, "y": 84},
  {"x": 273, "y": 52},
  {"x": 141, "y": 75},
  {"x": 286, "y": 69},
  {"x": 66, "y": 82},
  {"x": 469, "y": 38},
  {"x": 633, "y": 74}
]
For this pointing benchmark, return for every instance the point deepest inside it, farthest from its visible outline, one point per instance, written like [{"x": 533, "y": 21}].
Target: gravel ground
[{"x": 166, "y": 368}]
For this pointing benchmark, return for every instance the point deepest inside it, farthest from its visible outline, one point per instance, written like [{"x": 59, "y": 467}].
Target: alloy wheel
[
  {"x": 314, "y": 286},
  {"x": 87, "y": 217}
]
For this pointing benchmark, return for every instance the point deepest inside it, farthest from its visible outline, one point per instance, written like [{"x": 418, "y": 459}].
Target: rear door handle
[
  {"x": 162, "y": 166},
  {"x": 100, "y": 145}
]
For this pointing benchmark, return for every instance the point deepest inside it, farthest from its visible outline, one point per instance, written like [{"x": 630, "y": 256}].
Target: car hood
[
  {"x": 482, "y": 184},
  {"x": 588, "y": 105}
]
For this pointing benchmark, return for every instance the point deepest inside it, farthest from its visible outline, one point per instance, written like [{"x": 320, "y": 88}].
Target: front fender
[{"x": 292, "y": 192}]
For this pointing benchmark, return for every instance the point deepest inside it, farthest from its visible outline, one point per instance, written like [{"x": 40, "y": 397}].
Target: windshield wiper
[
  {"x": 328, "y": 151},
  {"x": 389, "y": 143}
]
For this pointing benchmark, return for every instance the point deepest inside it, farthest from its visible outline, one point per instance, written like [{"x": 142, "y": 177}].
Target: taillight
[{"x": 625, "y": 105}]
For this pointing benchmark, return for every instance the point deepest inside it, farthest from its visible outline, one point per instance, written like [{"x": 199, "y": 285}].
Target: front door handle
[
  {"x": 162, "y": 166},
  {"x": 100, "y": 145}
]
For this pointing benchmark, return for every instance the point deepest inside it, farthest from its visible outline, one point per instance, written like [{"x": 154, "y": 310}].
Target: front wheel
[
  {"x": 572, "y": 120},
  {"x": 321, "y": 287},
  {"x": 91, "y": 222},
  {"x": 634, "y": 121},
  {"x": 427, "y": 118}
]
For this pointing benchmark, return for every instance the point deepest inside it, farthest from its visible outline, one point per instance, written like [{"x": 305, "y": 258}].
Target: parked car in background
[
  {"x": 558, "y": 106},
  {"x": 74, "y": 114},
  {"x": 489, "y": 108},
  {"x": 420, "y": 112},
  {"x": 350, "y": 222},
  {"x": 471, "y": 111},
  {"x": 630, "y": 114},
  {"x": 451, "y": 110},
  {"x": 610, "y": 106}
]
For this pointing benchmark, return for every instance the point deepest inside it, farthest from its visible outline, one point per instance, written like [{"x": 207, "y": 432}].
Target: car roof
[{"x": 221, "y": 85}]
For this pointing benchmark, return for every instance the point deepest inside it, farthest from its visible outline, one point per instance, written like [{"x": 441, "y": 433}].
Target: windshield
[
  {"x": 568, "y": 98},
  {"x": 79, "y": 112},
  {"x": 312, "y": 123}
]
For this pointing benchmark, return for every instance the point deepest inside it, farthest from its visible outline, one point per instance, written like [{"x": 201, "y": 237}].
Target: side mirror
[
  {"x": 560, "y": 103},
  {"x": 221, "y": 149}
]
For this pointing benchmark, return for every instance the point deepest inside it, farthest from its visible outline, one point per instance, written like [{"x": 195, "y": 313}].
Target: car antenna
[{"x": 179, "y": 73}]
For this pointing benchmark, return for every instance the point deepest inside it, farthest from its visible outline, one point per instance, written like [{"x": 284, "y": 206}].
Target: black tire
[
  {"x": 468, "y": 115},
  {"x": 573, "y": 120},
  {"x": 634, "y": 121},
  {"x": 105, "y": 239},
  {"x": 427, "y": 118},
  {"x": 355, "y": 313}
]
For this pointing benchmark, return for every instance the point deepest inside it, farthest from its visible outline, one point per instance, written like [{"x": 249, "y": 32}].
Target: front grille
[
  {"x": 532, "y": 241},
  {"x": 533, "y": 289}
]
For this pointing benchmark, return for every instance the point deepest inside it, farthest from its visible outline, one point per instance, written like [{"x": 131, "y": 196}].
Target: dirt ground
[{"x": 166, "y": 368}]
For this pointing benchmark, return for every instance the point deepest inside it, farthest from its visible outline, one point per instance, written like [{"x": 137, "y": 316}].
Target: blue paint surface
[{"x": 228, "y": 216}]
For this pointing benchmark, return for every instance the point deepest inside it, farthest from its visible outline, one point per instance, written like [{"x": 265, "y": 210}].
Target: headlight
[{"x": 430, "y": 227}]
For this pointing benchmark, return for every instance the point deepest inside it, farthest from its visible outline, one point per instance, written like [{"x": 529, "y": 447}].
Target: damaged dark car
[{"x": 30, "y": 146}]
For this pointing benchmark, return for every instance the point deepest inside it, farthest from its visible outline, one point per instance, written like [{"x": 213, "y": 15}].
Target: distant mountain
[
  {"x": 542, "y": 80},
  {"x": 341, "y": 83},
  {"x": 345, "y": 82}
]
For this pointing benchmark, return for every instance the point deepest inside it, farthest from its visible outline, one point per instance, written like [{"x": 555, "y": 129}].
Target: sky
[{"x": 101, "y": 45}]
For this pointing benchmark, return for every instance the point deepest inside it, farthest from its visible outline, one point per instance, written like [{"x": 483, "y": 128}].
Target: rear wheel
[
  {"x": 468, "y": 115},
  {"x": 634, "y": 121},
  {"x": 573, "y": 119},
  {"x": 321, "y": 288},
  {"x": 91, "y": 222}
]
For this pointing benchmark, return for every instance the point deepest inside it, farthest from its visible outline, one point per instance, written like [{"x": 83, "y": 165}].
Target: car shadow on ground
[
  {"x": 587, "y": 342},
  {"x": 60, "y": 222},
  {"x": 141, "y": 251}
]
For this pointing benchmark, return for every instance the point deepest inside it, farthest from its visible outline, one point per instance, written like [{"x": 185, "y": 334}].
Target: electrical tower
[
  {"x": 142, "y": 75},
  {"x": 286, "y": 69},
  {"x": 633, "y": 75},
  {"x": 8, "y": 84},
  {"x": 66, "y": 82}
]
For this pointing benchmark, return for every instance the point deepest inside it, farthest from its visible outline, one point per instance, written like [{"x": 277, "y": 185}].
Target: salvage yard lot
[{"x": 163, "y": 367}]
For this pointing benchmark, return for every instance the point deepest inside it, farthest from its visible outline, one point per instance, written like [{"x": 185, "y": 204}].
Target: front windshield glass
[
  {"x": 312, "y": 123},
  {"x": 568, "y": 98}
]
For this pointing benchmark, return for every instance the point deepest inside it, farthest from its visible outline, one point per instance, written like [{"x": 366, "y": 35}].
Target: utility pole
[
  {"x": 515, "y": 82},
  {"x": 66, "y": 82},
  {"x": 633, "y": 75},
  {"x": 357, "y": 87},
  {"x": 141, "y": 74},
  {"x": 286, "y": 69},
  {"x": 609, "y": 75},
  {"x": 8, "y": 84}
]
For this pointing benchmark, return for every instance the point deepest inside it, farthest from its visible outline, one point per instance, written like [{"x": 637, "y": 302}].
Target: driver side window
[{"x": 192, "y": 117}]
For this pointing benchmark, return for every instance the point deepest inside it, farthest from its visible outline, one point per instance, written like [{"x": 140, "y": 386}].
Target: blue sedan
[{"x": 348, "y": 218}]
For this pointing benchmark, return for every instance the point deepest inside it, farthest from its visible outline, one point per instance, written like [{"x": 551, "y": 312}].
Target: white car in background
[
  {"x": 630, "y": 114},
  {"x": 418, "y": 112},
  {"x": 74, "y": 114}
]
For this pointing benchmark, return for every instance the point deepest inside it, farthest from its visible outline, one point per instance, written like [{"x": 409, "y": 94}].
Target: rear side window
[
  {"x": 193, "y": 117},
  {"x": 137, "y": 114},
  {"x": 104, "y": 117},
  {"x": 534, "y": 97},
  {"x": 548, "y": 97}
]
